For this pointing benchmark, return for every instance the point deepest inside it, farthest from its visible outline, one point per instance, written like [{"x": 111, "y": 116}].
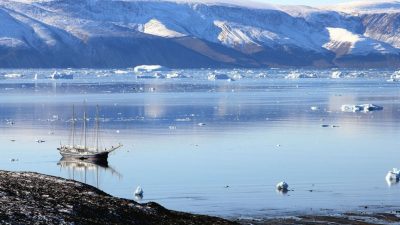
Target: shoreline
[{"x": 28, "y": 198}]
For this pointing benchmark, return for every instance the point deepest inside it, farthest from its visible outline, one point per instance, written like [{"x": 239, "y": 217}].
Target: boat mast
[
  {"x": 97, "y": 128},
  {"x": 73, "y": 125},
  {"x": 84, "y": 129}
]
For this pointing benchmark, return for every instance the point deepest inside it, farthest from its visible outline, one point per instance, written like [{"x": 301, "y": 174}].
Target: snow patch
[{"x": 157, "y": 28}]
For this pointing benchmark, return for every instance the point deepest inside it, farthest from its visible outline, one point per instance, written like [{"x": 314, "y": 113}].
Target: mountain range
[{"x": 194, "y": 34}]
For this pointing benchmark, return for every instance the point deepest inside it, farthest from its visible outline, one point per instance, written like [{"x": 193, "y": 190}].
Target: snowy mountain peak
[{"x": 196, "y": 33}]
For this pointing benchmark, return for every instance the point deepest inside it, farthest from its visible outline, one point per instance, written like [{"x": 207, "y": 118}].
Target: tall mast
[
  {"x": 73, "y": 125},
  {"x": 97, "y": 128},
  {"x": 84, "y": 129}
]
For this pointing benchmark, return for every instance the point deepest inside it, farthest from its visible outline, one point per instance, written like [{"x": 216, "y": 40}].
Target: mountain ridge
[{"x": 189, "y": 34}]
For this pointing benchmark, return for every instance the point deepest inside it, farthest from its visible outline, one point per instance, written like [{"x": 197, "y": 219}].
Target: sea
[{"x": 214, "y": 142}]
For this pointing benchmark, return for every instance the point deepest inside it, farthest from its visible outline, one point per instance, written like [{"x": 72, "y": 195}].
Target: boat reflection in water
[{"x": 87, "y": 170}]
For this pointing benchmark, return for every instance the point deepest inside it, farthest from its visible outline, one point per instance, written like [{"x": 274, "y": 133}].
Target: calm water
[{"x": 257, "y": 132}]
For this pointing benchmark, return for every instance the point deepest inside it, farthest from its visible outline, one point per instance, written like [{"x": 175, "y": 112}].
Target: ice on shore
[
  {"x": 149, "y": 68},
  {"x": 361, "y": 108}
]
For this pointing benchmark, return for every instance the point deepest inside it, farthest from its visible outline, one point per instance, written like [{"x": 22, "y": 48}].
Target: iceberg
[
  {"x": 337, "y": 75},
  {"x": 176, "y": 75},
  {"x": 57, "y": 75},
  {"x": 13, "y": 75},
  {"x": 215, "y": 77},
  {"x": 149, "y": 68},
  {"x": 298, "y": 75},
  {"x": 359, "y": 108},
  {"x": 150, "y": 76},
  {"x": 121, "y": 72},
  {"x": 395, "y": 77}
]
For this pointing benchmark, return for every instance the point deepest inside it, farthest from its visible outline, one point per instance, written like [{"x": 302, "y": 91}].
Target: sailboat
[{"x": 86, "y": 152}]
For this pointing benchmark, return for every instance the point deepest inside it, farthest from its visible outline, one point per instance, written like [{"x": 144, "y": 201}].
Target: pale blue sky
[{"x": 303, "y": 2}]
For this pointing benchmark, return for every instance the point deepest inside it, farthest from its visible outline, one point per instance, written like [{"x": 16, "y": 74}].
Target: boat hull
[{"x": 94, "y": 156}]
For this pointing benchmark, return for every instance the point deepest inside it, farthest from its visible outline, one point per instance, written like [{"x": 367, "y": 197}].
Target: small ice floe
[
  {"x": 149, "y": 68},
  {"x": 152, "y": 89},
  {"x": 176, "y": 75},
  {"x": 201, "y": 124},
  {"x": 14, "y": 160},
  {"x": 40, "y": 141},
  {"x": 262, "y": 75},
  {"x": 139, "y": 191},
  {"x": 36, "y": 76},
  {"x": 325, "y": 125},
  {"x": 219, "y": 76},
  {"x": 362, "y": 107},
  {"x": 395, "y": 77},
  {"x": 298, "y": 75},
  {"x": 156, "y": 75},
  {"x": 393, "y": 176},
  {"x": 337, "y": 75},
  {"x": 172, "y": 127},
  {"x": 58, "y": 76},
  {"x": 314, "y": 108},
  {"x": 121, "y": 72},
  {"x": 282, "y": 187},
  {"x": 10, "y": 122},
  {"x": 238, "y": 76},
  {"x": 13, "y": 75}
]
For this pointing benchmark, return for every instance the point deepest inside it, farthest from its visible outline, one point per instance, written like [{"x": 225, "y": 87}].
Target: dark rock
[{"x": 32, "y": 198}]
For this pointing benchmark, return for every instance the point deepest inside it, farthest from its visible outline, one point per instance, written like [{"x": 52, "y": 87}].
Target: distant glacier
[{"x": 191, "y": 34}]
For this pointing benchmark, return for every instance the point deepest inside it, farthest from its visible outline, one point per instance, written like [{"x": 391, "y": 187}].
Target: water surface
[{"x": 215, "y": 147}]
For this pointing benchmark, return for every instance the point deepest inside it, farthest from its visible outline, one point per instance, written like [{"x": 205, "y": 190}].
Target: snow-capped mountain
[{"x": 186, "y": 33}]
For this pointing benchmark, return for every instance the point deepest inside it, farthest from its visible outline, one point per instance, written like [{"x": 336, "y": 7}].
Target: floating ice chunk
[
  {"x": 57, "y": 75},
  {"x": 337, "y": 75},
  {"x": 149, "y": 68},
  {"x": 298, "y": 75},
  {"x": 393, "y": 176},
  {"x": 238, "y": 76},
  {"x": 395, "y": 77},
  {"x": 219, "y": 76},
  {"x": 282, "y": 186},
  {"x": 139, "y": 191},
  {"x": 351, "y": 108},
  {"x": 40, "y": 141},
  {"x": 120, "y": 72},
  {"x": 201, "y": 124},
  {"x": 314, "y": 108},
  {"x": 176, "y": 75},
  {"x": 156, "y": 75},
  {"x": 13, "y": 75},
  {"x": 363, "y": 107}
]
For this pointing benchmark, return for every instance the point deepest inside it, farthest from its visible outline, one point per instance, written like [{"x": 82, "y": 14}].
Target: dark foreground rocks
[{"x": 32, "y": 198}]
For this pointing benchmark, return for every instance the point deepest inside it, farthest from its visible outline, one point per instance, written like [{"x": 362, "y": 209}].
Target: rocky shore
[{"x": 32, "y": 198}]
